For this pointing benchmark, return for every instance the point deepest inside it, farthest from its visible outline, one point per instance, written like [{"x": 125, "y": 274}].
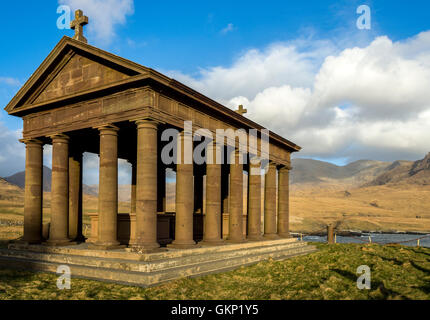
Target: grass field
[{"x": 396, "y": 273}]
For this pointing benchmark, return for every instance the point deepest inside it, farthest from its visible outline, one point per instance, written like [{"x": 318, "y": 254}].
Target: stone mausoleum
[{"x": 83, "y": 99}]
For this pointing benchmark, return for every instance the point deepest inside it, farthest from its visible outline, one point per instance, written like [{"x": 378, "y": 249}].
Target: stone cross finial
[
  {"x": 78, "y": 25},
  {"x": 241, "y": 110}
]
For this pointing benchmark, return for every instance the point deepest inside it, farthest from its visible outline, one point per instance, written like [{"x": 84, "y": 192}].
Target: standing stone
[
  {"x": 108, "y": 188},
  {"x": 75, "y": 197},
  {"x": 146, "y": 189},
  {"x": 270, "y": 203},
  {"x": 212, "y": 220},
  {"x": 235, "y": 233},
  {"x": 254, "y": 201},
  {"x": 59, "y": 229},
  {"x": 284, "y": 203},
  {"x": 33, "y": 197},
  {"x": 184, "y": 198}
]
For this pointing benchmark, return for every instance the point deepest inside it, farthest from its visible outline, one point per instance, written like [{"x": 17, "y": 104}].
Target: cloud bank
[{"x": 360, "y": 102}]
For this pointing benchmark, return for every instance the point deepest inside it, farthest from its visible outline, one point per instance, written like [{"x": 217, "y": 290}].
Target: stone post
[
  {"x": 283, "y": 203},
  {"x": 146, "y": 189},
  {"x": 254, "y": 201},
  {"x": 330, "y": 234},
  {"x": 59, "y": 229},
  {"x": 133, "y": 187},
  {"x": 235, "y": 233},
  {"x": 108, "y": 188},
  {"x": 184, "y": 198},
  {"x": 212, "y": 221},
  {"x": 33, "y": 196},
  {"x": 270, "y": 226},
  {"x": 75, "y": 197}
]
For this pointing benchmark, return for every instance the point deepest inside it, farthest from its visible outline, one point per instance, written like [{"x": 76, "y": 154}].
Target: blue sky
[{"x": 196, "y": 41}]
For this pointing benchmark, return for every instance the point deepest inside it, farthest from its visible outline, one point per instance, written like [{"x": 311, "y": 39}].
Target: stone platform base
[{"x": 131, "y": 268}]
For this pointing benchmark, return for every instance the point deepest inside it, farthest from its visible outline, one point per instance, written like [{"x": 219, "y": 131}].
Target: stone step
[
  {"x": 153, "y": 277},
  {"x": 154, "y": 265}
]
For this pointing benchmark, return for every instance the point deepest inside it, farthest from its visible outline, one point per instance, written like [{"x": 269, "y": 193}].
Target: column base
[
  {"x": 255, "y": 237},
  {"x": 284, "y": 235},
  {"x": 212, "y": 242},
  {"x": 148, "y": 246},
  {"x": 236, "y": 240},
  {"x": 271, "y": 236},
  {"x": 59, "y": 243},
  {"x": 105, "y": 246},
  {"x": 26, "y": 242},
  {"x": 183, "y": 245}
]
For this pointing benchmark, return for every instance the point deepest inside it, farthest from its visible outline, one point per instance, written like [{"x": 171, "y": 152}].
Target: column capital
[
  {"x": 146, "y": 123},
  {"x": 29, "y": 142},
  {"x": 108, "y": 129},
  {"x": 285, "y": 167},
  {"x": 272, "y": 164},
  {"x": 59, "y": 138}
]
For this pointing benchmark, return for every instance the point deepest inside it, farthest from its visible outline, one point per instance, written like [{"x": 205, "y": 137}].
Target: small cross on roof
[
  {"x": 78, "y": 25},
  {"x": 241, "y": 110}
]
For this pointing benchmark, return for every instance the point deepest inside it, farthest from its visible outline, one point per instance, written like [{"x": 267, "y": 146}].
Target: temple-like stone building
[{"x": 83, "y": 99}]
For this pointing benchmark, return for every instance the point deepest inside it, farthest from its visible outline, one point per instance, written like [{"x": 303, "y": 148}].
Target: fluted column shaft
[
  {"x": 59, "y": 229},
  {"x": 235, "y": 233},
  {"x": 75, "y": 196},
  {"x": 146, "y": 188},
  {"x": 254, "y": 201},
  {"x": 33, "y": 197},
  {"x": 270, "y": 203},
  {"x": 184, "y": 198},
  {"x": 108, "y": 188},
  {"x": 283, "y": 203},
  {"x": 212, "y": 220}
]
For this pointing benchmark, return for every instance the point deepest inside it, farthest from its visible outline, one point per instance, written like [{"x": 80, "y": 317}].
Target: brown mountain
[{"x": 405, "y": 172}]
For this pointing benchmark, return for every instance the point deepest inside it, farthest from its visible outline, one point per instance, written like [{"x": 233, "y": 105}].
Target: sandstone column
[
  {"x": 75, "y": 196},
  {"x": 133, "y": 187},
  {"x": 146, "y": 188},
  {"x": 270, "y": 203},
  {"x": 59, "y": 229},
  {"x": 235, "y": 232},
  {"x": 108, "y": 188},
  {"x": 184, "y": 199},
  {"x": 212, "y": 221},
  {"x": 254, "y": 201},
  {"x": 33, "y": 196},
  {"x": 283, "y": 203}
]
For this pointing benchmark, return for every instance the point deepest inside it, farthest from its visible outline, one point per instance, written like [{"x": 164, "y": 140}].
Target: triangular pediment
[{"x": 72, "y": 68}]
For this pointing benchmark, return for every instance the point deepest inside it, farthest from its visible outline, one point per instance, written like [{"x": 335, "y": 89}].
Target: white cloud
[
  {"x": 104, "y": 16},
  {"x": 229, "y": 28},
  {"x": 12, "y": 155},
  {"x": 10, "y": 81},
  {"x": 359, "y": 102}
]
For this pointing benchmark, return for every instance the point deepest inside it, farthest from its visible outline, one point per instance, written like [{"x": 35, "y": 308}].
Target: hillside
[
  {"x": 314, "y": 174},
  {"x": 405, "y": 172}
]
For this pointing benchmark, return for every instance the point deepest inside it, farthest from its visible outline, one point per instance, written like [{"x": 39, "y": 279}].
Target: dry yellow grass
[{"x": 381, "y": 208}]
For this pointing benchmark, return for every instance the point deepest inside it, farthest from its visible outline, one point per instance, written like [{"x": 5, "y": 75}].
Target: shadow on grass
[{"x": 387, "y": 293}]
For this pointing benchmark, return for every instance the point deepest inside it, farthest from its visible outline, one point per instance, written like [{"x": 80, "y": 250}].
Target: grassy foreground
[{"x": 397, "y": 273}]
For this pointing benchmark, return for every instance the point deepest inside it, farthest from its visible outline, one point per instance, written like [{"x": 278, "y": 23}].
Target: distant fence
[{"x": 331, "y": 234}]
